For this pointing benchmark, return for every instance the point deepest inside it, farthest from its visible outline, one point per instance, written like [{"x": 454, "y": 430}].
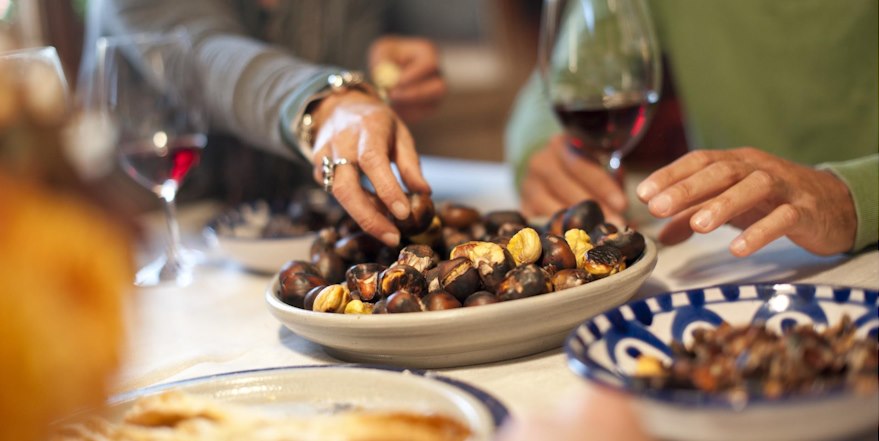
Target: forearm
[
  {"x": 529, "y": 128},
  {"x": 861, "y": 176},
  {"x": 245, "y": 82}
]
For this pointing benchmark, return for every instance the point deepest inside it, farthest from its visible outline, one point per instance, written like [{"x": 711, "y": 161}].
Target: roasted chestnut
[
  {"x": 480, "y": 298},
  {"x": 402, "y": 278},
  {"x": 358, "y": 307},
  {"x": 580, "y": 243},
  {"x": 523, "y": 281},
  {"x": 330, "y": 265},
  {"x": 509, "y": 229},
  {"x": 363, "y": 277},
  {"x": 387, "y": 256},
  {"x": 293, "y": 288},
  {"x": 452, "y": 237},
  {"x": 298, "y": 266},
  {"x": 490, "y": 259},
  {"x": 403, "y": 301},
  {"x": 569, "y": 278},
  {"x": 629, "y": 242},
  {"x": 440, "y": 300},
  {"x": 494, "y": 219},
  {"x": 555, "y": 224},
  {"x": 332, "y": 298},
  {"x": 420, "y": 257},
  {"x": 325, "y": 240},
  {"x": 308, "y": 303},
  {"x": 584, "y": 215},
  {"x": 557, "y": 255},
  {"x": 525, "y": 246},
  {"x": 420, "y": 216},
  {"x": 381, "y": 307},
  {"x": 432, "y": 236},
  {"x": 602, "y": 230},
  {"x": 458, "y": 277},
  {"x": 431, "y": 276},
  {"x": 358, "y": 248},
  {"x": 603, "y": 261},
  {"x": 457, "y": 216}
]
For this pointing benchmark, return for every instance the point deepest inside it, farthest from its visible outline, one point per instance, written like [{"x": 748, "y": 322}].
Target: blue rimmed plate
[
  {"x": 604, "y": 350},
  {"x": 326, "y": 389}
]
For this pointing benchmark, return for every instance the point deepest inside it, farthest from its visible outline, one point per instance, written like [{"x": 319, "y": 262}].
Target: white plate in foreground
[
  {"x": 463, "y": 336},
  {"x": 309, "y": 390}
]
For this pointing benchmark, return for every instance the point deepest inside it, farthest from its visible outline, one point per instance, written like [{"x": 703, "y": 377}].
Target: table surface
[{"x": 220, "y": 323}]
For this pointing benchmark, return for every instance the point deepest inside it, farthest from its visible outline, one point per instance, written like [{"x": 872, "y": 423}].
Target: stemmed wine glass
[
  {"x": 601, "y": 72},
  {"x": 147, "y": 84},
  {"x": 39, "y": 70}
]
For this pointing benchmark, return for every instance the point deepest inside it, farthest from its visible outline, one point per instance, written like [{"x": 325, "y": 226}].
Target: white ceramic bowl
[
  {"x": 604, "y": 350},
  {"x": 236, "y": 235},
  {"x": 463, "y": 336},
  {"x": 301, "y": 391}
]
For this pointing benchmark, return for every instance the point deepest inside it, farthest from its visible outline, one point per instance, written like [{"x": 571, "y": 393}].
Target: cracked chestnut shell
[
  {"x": 557, "y": 255},
  {"x": 420, "y": 215},
  {"x": 523, "y": 281},
  {"x": 584, "y": 215},
  {"x": 602, "y": 230},
  {"x": 629, "y": 242},
  {"x": 603, "y": 261},
  {"x": 480, "y": 298},
  {"x": 420, "y": 257},
  {"x": 403, "y": 301},
  {"x": 440, "y": 300},
  {"x": 293, "y": 288},
  {"x": 569, "y": 278},
  {"x": 402, "y": 278},
  {"x": 580, "y": 243},
  {"x": 457, "y": 216},
  {"x": 363, "y": 277},
  {"x": 458, "y": 277},
  {"x": 490, "y": 259},
  {"x": 432, "y": 236}
]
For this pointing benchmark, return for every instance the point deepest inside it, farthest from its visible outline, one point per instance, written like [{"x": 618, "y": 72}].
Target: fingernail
[
  {"x": 399, "y": 209},
  {"x": 646, "y": 190},
  {"x": 391, "y": 238},
  {"x": 702, "y": 219},
  {"x": 661, "y": 204},
  {"x": 738, "y": 246}
]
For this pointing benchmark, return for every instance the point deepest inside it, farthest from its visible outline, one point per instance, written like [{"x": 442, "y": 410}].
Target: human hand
[
  {"x": 764, "y": 195},
  {"x": 419, "y": 87},
  {"x": 365, "y": 131},
  {"x": 591, "y": 414},
  {"x": 556, "y": 178}
]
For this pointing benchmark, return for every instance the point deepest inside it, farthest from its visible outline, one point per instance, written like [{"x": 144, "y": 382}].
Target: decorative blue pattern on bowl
[{"x": 605, "y": 348}]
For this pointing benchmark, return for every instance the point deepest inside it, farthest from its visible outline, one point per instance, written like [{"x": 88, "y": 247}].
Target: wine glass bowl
[
  {"x": 147, "y": 85},
  {"x": 600, "y": 68}
]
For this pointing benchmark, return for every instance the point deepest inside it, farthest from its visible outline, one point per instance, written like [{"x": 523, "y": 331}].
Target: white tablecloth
[{"x": 220, "y": 323}]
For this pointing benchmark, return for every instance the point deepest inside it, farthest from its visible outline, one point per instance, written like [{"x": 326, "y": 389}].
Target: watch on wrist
[{"x": 335, "y": 83}]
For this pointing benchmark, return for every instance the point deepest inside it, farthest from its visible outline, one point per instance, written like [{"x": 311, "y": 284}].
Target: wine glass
[
  {"x": 601, "y": 73},
  {"x": 39, "y": 71},
  {"x": 148, "y": 85}
]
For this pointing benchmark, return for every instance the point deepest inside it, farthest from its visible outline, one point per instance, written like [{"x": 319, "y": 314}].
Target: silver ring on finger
[{"x": 328, "y": 171}]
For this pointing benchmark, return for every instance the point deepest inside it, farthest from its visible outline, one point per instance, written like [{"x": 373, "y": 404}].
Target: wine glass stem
[
  {"x": 613, "y": 163},
  {"x": 168, "y": 196}
]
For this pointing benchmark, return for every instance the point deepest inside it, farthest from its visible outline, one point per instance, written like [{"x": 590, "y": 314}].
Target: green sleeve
[
  {"x": 530, "y": 125},
  {"x": 862, "y": 178}
]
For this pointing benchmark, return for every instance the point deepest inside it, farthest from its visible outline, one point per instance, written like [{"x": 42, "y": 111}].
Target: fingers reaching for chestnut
[
  {"x": 556, "y": 178},
  {"x": 452, "y": 256},
  {"x": 766, "y": 196},
  {"x": 365, "y": 132}
]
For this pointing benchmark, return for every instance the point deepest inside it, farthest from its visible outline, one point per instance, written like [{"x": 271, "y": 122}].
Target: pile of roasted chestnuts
[{"x": 454, "y": 256}]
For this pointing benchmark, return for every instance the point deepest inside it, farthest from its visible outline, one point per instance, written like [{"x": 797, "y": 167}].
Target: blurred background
[{"x": 488, "y": 49}]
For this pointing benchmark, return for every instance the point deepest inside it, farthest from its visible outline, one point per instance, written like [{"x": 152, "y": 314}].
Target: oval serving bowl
[
  {"x": 604, "y": 351},
  {"x": 463, "y": 336}
]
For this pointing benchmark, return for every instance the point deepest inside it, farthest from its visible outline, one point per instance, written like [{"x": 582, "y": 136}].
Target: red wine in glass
[
  {"x": 598, "y": 129},
  {"x": 156, "y": 162}
]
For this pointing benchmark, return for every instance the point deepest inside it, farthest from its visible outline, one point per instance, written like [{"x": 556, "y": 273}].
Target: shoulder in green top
[{"x": 796, "y": 78}]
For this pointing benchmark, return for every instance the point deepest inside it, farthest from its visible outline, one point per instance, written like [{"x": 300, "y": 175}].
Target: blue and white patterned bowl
[{"x": 605, "y": 349}]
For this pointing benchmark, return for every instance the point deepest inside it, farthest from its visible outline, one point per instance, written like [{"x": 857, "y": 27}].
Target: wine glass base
[{"x": 161, "y": 272}]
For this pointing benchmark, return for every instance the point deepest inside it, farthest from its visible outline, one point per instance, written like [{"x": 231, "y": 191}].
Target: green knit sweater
[{"x": 796, "y": 78}]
